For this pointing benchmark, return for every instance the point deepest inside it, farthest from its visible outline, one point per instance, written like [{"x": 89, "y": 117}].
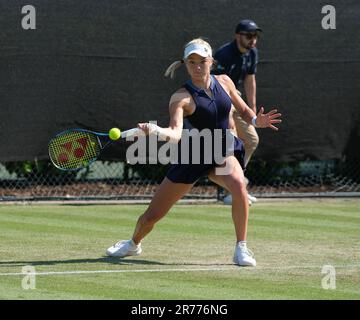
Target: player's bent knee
[
  {"x": 238, "y": 187},
  {"x": 239, "y": 195}
]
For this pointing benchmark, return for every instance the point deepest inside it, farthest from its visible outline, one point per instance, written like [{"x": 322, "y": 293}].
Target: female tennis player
[{"x": 205, "y": 101}]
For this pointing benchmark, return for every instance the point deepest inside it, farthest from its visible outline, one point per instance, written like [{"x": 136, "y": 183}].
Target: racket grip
[{"x": 132, "y": 132}]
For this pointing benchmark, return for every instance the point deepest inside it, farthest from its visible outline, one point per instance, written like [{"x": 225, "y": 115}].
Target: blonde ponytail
[{"x": 172, "y": 68}]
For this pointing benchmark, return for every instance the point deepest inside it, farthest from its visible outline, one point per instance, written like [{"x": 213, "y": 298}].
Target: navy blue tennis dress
[{"x": 210, "y": 113}]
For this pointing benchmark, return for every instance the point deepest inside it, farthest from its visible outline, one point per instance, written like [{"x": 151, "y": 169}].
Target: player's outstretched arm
[
  {"x": 261, "y": 120},
  {"x": 178, "y": 102}
]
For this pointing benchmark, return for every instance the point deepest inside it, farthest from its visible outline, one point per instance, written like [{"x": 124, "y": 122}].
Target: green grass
[{"x": 292, "y": 241}]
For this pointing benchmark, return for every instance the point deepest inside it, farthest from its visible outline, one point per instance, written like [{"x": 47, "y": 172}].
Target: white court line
[{"x": 229, "y": 268}]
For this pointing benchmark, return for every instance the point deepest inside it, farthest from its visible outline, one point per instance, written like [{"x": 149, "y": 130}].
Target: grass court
[{"x": 187, "y": 256}]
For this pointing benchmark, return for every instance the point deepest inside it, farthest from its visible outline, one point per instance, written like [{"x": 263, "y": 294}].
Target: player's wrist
[
  {"x": 253, "y": 121},
  {"x": 156, "y": 130}
]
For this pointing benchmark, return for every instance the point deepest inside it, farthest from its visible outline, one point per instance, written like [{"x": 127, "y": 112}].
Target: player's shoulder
[
  {"x": 180, "y": 96},
  {"x": 181, "y": 90},
  {"x": 224, "y": 80}
]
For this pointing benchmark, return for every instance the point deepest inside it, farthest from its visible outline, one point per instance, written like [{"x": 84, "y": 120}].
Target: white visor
[{"x": 200, "y": 49}]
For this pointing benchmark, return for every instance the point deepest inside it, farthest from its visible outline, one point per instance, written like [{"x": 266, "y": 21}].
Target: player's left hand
[{"x": 265, "y": 120}]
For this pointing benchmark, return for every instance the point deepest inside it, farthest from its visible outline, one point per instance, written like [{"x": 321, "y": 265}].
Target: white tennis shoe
[
  {"x": 252, "y": 198},
  {"x": 124, "y": 248},
  {"x": 228, "y": 199},
  {"x": 243, "y": 256}
]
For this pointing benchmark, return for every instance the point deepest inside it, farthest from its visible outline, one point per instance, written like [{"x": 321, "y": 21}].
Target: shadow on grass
[{"x": 109, "y": 260}]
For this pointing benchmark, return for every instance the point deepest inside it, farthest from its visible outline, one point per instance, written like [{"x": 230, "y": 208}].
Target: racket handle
[{"x": 132, "y": 132}]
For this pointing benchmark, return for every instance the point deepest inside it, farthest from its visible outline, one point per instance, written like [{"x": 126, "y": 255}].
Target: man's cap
[
  {"x": 198, "y": 48},
  {"x": 247, "y": 26}
]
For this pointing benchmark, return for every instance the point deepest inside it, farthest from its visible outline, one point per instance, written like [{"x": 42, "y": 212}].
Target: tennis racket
[{"x": 75, "y": 149}]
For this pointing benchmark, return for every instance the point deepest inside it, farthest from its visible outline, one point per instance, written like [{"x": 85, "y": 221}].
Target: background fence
[
  {"x": 100, "y": 64},
  {"x": 117, "y": 180}
]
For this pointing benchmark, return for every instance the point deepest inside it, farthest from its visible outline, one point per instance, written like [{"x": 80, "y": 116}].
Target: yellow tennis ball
[{"x": 114, "y": 133}]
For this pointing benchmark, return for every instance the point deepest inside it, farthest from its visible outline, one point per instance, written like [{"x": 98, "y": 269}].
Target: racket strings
[{"x": 73, "y": 150}]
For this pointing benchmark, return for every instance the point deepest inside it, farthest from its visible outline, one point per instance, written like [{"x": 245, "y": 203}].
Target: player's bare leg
[
  {"x": 235, "y": 184},
  {"x": 167, "y": 194},
  {"x": 165, "y": 197}
]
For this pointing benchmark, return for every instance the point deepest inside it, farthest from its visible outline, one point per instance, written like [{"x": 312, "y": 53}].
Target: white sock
[
  {"x": 242, "y": 244},
  {"x": 133, "y": 244}
]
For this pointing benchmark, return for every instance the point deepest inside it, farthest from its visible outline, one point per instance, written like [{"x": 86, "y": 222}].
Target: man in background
[{"x": 238, "y": 59}]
